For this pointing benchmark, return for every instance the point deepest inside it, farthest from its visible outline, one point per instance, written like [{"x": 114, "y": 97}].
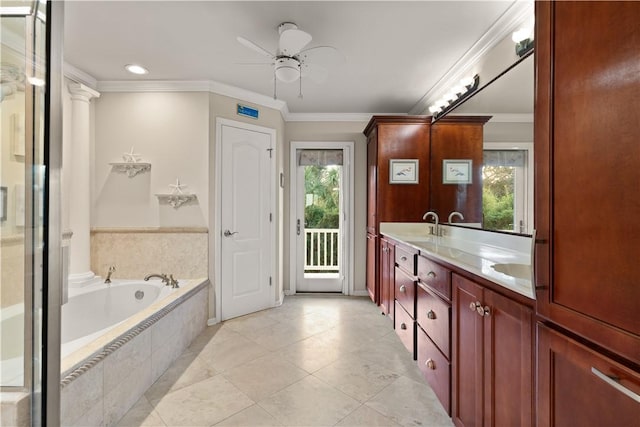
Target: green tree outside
[
  {"x": 497, "y": 197},
  {"x": 322, "y": 190}
]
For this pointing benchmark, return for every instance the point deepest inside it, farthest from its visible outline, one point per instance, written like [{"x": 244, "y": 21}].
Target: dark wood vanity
[{"x": 571, "y": 356}]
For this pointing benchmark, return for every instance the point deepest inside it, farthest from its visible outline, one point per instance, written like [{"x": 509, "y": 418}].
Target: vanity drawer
[
  {"x": 406, "y": 259},
  {"x": 405, "y": 328},
  {"x": 435, "y": 368},
  {"x": 435, "y": 276},
  {"x": 405, "y": 291},
  {"x": 434, "y": 317}
]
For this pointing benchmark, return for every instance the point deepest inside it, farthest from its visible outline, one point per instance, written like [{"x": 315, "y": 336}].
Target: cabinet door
[
  {"x": 372, "y": 267},
  {"x": 508, "y": 362},
  {"x": 372, "y": 182},
  {"x": 571, "y": 392},
  {"x": 387, "y": 277},
  {"x": 587, "y": 215},
  {"x": 467, "y": 353}
]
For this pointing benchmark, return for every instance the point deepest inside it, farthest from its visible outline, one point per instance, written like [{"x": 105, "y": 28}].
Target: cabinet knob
[
  {"x": 431, "y": 315},
  {"x": 430, "y": 364},
  {"x": 403, "y": 258},
  {"x": 474, "y": 306},
  {"x": 484, "y": 311},
  {"x": 431, "y": 274},
  {"x": 403, "y": 326},
  {"x": 403, "y": 288}
]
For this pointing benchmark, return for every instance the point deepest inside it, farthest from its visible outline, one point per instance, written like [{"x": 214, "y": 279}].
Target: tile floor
[{"x": 314, "y": 361}]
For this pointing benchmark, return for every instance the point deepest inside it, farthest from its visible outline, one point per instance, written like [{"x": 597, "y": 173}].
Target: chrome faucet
[
  {"x": 432, "y": 230},
  {"x": 164, "y": 277},
  {"x": 455, "y": 213},
  {"x": 173, "y": 282},
  {"x": 112, "y": 269}
]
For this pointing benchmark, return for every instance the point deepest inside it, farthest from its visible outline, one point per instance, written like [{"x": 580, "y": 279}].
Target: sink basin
[{"x": 520, "y": 271}]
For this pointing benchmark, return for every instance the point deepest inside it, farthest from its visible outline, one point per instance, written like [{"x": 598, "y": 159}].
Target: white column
[{"x": 80, "y": 184}]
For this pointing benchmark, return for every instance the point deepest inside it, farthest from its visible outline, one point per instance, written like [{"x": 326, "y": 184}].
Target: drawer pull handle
[
  {"x": 403, "y": 288},
  {"x": 431, "y": 315},
  {"x": 403, "y": 326},
  {"x": 430, "y": 364},
  {"x": 403, "y": 258},
  {"x": 431, "y": 274},
  {"x": 615, "y": 383}
]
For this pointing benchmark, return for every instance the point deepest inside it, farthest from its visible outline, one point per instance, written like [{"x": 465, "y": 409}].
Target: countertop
[{"x": 501, "y": 258}]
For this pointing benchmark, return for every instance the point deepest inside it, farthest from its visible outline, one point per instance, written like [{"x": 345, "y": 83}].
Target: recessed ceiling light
[{"x": 136, "y": 69}]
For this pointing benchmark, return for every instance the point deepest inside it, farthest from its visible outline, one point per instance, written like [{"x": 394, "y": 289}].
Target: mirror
[{"x": 482, "y": 155}]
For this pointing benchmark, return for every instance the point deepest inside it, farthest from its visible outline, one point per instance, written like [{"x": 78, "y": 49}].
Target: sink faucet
[
  {"x": 112, "y": 269},
  {"x": 455, "y": 213},
  {"x": 164, "y": 277},
  {"x": 432, "y": 230}
]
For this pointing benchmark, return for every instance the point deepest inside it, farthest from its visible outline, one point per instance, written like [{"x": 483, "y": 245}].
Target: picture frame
[
  {"x": 403, "y": 171},
  {"x": 457, "y": 171},
  {"x": 3, "y": 203}
]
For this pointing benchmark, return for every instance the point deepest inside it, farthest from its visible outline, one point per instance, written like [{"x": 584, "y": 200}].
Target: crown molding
[
  {"x": 330, "y": 117},
  {"x": 79, "y": 76},
  {"x": 514, "y": 16}
]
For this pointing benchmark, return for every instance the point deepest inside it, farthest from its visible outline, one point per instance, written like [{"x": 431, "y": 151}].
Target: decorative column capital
[{"x": 80, "y": 92}]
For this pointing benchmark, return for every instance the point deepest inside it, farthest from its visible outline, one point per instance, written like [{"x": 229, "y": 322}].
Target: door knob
[{"x": 228, "y": 233}]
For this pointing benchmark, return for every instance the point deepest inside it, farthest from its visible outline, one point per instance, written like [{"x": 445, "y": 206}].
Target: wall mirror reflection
[{"x": 498, "y": 122}]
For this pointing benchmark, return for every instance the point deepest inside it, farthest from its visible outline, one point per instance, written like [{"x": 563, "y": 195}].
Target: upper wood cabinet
[
  {"x": 587, "y": 151},
  {"x": 393, "y": 138},
  {"x": 456, "y": 138}
]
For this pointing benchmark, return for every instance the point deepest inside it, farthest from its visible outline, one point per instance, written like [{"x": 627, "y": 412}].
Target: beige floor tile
[
  {"x": 311, "y": 354},
  {"x": 251, "y": 322},
  {"x": 186, "y": 370},
  {"x": 395, "y": 358},
  {"x": 309, "y": 402},
  {"x": 278, "y": 335},
  {"x": 365, "y": 416},
  {"x": 357, "y": 377},
  {"x": 410, "y": 403},
  {"x": 211, "y": 335},
  {"x": 202, "y": 404},
  {"x": 231, "y": 352},
  {"x": 141, "y": 414},
  {"x": 264, "y": 376},
  {"x": 253, "y": 416}
]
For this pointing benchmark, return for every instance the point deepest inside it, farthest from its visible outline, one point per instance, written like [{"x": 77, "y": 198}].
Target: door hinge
[
  {"x": 270, "y": 150},
  {"x": 270, "y": 217},
  {"x": 270, "y": 281}
]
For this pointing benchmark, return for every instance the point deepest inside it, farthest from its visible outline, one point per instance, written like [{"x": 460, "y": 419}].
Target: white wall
[
  {"x": 334, "y": 131},
  {"x": 171, "y": 131}
]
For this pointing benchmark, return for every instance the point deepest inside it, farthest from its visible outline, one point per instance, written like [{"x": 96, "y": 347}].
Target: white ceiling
[{"x": 395, "y": 51}]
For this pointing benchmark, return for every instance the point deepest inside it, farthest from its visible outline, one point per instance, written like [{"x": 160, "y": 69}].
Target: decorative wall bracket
[
  {"x": 176, "y": 200},
  {"x": 130, "y": 168}
]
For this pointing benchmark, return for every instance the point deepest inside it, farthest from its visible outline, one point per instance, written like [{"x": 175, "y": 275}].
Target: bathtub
[
  {"x": 118, "y": 339},
  {"x": 12, "y": 346},
  {"x": 94, "y": 310}
]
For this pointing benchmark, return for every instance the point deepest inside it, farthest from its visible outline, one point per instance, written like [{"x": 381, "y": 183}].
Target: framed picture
[
  {"x": 403, "y": 171},
  {"x": 456, "y": 171},
  {"x": 3, "y": 203}
]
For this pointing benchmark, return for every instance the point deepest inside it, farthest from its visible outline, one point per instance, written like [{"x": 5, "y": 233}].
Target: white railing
[{"x": 322, "y": 250}]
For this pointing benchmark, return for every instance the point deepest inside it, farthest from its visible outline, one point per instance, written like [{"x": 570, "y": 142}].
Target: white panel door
[{"x": 245, "y": 221}]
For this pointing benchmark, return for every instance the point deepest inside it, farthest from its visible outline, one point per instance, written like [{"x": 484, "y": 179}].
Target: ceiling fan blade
[
  {"x": 317, "y": 73},
  {"x": 292, "y": 41},
  {"x": 327, "y": 55},
  {"x": 251, "y": 45}
]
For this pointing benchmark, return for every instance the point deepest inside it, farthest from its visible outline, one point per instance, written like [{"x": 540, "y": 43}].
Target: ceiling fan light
[{"x": 287, "y": 70}]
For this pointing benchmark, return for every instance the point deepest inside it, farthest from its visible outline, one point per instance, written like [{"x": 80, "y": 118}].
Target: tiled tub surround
[
  {"x": 182, "y": 251},
  {"x": 473, "y": 250},
  {"x": 103, "y": 379}
]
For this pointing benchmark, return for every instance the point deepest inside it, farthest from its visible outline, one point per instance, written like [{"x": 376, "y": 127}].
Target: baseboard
[
  {"x": 289, "y": 292},
  {"x": 212, "y": 321},
  {"x": 364, "y": 293}
]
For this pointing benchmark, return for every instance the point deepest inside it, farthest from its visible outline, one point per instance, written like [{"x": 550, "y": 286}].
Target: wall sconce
[
  {"x": 455, "y": 96},
  {"x": 523, "y": 39}
]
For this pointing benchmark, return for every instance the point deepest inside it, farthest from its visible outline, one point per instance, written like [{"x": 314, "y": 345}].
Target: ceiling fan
[{"x": 292, "y": 61}]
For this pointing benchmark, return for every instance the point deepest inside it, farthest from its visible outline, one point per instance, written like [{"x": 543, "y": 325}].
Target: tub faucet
[
  {"x": 162, "y": 276},
  {"x": 112, "y": 269},
  {"x": 455, "y": 213},
  {"x": 434, "y": 230},
  {"x": 173, "y": 282}
]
